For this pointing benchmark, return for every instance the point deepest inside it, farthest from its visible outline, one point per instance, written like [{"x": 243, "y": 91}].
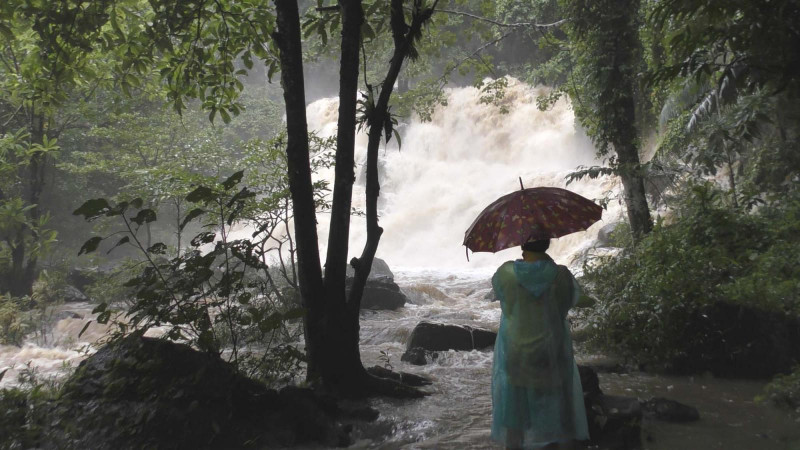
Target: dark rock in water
[
  {"x": 379, "y": 269},
  {"x": 380, "y": 293},
  {"x": 150, "y": 393},
  {"x": 614, "y": 422},
  {"x": 417, "y": 356},
  {"x": 441, "y": 337},
  {"x": 490, "y": 296},
  {"x": 669, "y": 410},
  {"x": 71, "y": 294},
  {"x": 402, "y": 377},
  {"x": 61, "y": 315},
  {"x": 590, "y": 382}
]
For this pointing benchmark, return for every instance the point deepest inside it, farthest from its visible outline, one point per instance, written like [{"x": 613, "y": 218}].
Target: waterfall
[{"x": 450, "y": 168}]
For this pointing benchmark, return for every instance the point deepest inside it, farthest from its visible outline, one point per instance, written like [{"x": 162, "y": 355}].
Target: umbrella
[{"x": 530, "y": 214}]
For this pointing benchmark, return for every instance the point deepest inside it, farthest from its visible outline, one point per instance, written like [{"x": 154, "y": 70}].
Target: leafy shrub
[
  {"x": 663, "y": 300},
  {"x": 784, "y": 390},
  {"x": 12, "y": 324}
]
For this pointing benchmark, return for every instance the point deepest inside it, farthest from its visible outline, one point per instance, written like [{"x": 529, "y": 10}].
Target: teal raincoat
[{"x": 536, "y": 388}]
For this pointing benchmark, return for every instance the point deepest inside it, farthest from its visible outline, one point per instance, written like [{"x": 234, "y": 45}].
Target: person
[{"x": 537, "y": 399}]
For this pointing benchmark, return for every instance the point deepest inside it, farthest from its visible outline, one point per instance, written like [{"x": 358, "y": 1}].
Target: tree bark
[
  {"x": 309, "y": 274},
  {"x": 343, "y": 367}
]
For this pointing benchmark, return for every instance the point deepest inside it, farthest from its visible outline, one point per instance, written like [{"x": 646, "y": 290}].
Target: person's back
[{"x": 536, "y": 391}]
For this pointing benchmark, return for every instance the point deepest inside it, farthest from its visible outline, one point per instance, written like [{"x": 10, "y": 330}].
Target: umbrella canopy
[{"x": 530, "y": 214}]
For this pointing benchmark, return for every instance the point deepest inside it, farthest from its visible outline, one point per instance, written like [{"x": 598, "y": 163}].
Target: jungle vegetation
[{"x": 166, "y": 122}]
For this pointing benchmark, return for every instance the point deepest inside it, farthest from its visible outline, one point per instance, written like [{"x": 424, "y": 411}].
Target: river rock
[
  {"x": 417, "y": 356},
  {"x": 437, "y": 337},
  {"x": 380, "y": 292},
  {"x": 147, "y": 393},
  {"x": 71, "y": 294},
  {"x": 614, "y": 421},
  {"x": 409, "y": 379},
  {"x": 669, "y": 410}
]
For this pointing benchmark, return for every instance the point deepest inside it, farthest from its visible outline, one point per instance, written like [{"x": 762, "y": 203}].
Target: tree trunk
[
  {"x": 342, "y": 369},
  {"x": 309, "y": 270}
]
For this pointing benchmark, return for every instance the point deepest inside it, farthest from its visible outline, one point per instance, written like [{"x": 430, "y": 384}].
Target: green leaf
[
  {"x": 200, "y": 194},
  {"x": 9, "y": 35},
  {"x": 92, "y": 209},
  {"x": 197, "y": 212},
  {"x": 122, "y": 241},
  {"x": 100, "y": 308},
  {"x": 90, "y": 245},
  {"x": 233, "y": 180},
  {"x": 144, "y": 216},
  {"x": 83, "y": 330}
]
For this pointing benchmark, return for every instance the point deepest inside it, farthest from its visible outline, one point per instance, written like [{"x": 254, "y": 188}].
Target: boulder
[
  {"x": 146, "y": 393},
  {"x": 380, "y": 293},
  {"x": 71, "y": 294},
  {"x": 661, "y": 408},
  {"x": 417, "y": 356},
  {"x": 441, "y": 337},
  {"x": 379, "y": 270},
  {"x": 614, "y": 422}
]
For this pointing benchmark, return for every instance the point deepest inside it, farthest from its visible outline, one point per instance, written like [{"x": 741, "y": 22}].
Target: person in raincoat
[{"x": 537, "y": 399}]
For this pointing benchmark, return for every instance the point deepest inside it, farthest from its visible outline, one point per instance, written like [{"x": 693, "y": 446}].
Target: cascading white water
[{"x": 452, "y": 167}]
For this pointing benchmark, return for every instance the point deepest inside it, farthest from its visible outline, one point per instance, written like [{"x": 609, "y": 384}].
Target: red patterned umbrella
[{"x": 530, "y": 214}]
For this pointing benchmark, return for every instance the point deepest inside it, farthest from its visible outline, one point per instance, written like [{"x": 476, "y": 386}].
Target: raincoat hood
[{"x": 536, "y": 276}]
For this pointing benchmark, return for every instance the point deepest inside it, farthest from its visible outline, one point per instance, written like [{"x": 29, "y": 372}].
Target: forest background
[{"x": 170, "y": 117}]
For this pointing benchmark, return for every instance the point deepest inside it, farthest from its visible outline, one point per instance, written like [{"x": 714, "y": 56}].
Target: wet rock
[
  {"x": 409, "y": 379},
  {"x": 441, "y": 337},
  {"x": 614, "y": 422},
  {"x": 661, "y": 408},
  {"x": 379, "y": 270},
  {"x": 148, "y": 393},
  {"x": 590, "y": 382},
  {"x": 71, "y": 294},
  {"x": 490, "y": 296},
  {"x": 380, "y": 293},
  {"x": 417, "y": 356}
]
